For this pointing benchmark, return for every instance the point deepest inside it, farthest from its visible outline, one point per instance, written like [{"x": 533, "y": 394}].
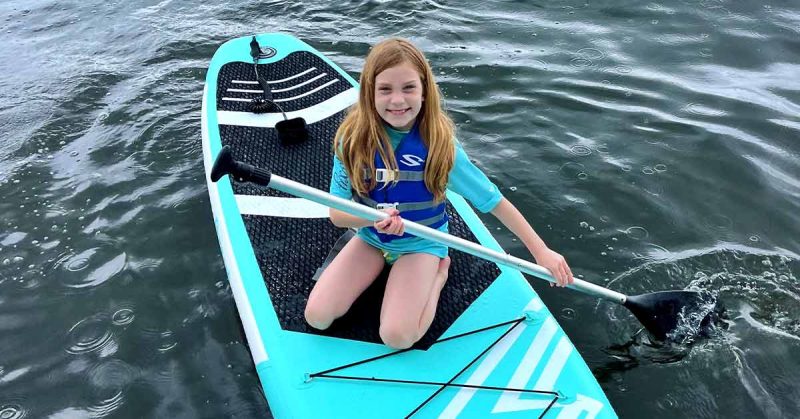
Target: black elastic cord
[
  {"x": 552, "y": 402},
  {"x": 516, "y": 323},
  {"x": 400, "y": 351},
  {"x": 435, "y": 383},
  {"x": 442, "y": 386},
  {"x": 266, "y": 95}
]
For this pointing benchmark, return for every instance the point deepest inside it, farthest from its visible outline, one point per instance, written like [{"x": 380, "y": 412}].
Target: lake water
[{"x": 655, "y": 144}]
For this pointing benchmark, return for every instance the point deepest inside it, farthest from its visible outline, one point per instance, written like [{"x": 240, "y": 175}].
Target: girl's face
[{"x": 398, "y": 95}]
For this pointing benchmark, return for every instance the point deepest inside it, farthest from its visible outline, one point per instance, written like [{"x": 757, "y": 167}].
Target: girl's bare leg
[
  {"x": 430, "y": 309},
  {"x": 412, "y": 293},
  {"x": 349, "y": 274}
]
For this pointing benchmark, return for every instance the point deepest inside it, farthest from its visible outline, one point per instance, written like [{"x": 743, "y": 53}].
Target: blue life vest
[{"x": 409, "y": 194}]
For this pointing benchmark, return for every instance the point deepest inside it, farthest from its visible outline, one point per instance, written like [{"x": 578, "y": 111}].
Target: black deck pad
[
  {"x": 296, "y": 63},
  {"x": 289, "y": 250}
]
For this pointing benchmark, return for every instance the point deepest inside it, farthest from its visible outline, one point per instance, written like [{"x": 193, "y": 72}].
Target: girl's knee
[
  {"x": 320, "y": 317},
  {"x": 316, "y": 319},
  {"x": 397, "y": 336}
]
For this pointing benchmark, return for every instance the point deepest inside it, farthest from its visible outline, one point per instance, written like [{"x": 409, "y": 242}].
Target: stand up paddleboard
[{"x": 494, "y": 350}]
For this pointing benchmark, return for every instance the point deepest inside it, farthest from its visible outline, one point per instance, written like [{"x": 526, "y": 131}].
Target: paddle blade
[{"x": 662, "y": 312}]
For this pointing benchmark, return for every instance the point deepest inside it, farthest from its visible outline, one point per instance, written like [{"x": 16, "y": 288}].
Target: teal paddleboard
[{"x": 494, "y": 349}]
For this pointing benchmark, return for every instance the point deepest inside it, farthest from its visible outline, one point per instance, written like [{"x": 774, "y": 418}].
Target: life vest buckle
[
  {"x": 386, "y": 205},
  {"x": 386, "y": 175}
]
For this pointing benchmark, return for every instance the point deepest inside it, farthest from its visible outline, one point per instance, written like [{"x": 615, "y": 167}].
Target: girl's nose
[{"x": 397, "y": 98}]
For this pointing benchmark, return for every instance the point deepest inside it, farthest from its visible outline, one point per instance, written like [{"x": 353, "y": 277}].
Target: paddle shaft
[{"x": 419, "y": 230}]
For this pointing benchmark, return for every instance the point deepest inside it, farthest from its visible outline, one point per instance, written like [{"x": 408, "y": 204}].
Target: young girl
[{"x": 396, "y": 151}]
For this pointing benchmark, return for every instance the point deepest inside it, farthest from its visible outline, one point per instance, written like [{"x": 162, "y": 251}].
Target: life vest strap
[
  {"x": 403, "y": 206},
  {"x": 432, "y": 220},
  {"x": 386, "y": 175}
]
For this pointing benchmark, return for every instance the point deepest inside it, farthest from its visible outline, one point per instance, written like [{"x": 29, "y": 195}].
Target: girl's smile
[{"x": 398, "y": 95}]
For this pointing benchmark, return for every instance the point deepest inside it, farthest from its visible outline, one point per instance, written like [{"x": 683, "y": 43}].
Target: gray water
[{"x": 655, "y": 145}]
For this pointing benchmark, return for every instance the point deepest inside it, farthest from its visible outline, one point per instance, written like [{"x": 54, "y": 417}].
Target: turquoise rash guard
[{"x": 464, "y": 179}]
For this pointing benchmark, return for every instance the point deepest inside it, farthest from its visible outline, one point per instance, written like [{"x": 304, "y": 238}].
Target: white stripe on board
[
  {"x": 276, "y": 81},
  {"x": 527, "y": 366},
  {"x": 296, "y": 86},
  {"x": 244, "y": 91},
  {"x": 254, "y": 340},
  {"x": 554, "y": 365},
  {"x": 513, "y": 402},
  {"x": 490, "y": 361},
  {"x": 534, "y": 305},
  {"x": 274, "y": 206},
  {"x": 312, "y": 91},
  {"x": 311, "y": 80},
  {"x": 236, "y": 99},
  {"x": 311, "y": 114},
  {"x": 487, "y": 366},
  {"x": 288, "y": 99}
]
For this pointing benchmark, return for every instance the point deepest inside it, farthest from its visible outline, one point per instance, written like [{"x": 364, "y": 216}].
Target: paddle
[{"x": 659, "y": 312}]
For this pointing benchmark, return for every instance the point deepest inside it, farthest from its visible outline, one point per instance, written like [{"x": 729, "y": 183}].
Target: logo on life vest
[{"x": 412, "y": 160}]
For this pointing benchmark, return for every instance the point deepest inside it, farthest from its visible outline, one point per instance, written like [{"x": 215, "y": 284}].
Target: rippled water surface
[{"x": 654, "y": 144}]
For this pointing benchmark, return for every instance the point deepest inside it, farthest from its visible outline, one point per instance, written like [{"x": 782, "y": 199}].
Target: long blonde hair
[{"x": 362, "y": 133}]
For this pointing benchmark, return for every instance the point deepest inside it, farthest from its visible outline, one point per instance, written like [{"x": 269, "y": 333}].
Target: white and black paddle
[{"x": 659, "y": 312}]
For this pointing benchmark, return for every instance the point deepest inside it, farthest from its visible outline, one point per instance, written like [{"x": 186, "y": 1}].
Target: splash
[
  {"x": 698, "y": 320},
  {"x": 757, "y": 286}
]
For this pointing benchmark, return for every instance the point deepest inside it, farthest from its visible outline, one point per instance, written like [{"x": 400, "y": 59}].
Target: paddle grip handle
[
  {"x": 243, "y": 172},
  {"x": 250, "y": 173}
]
